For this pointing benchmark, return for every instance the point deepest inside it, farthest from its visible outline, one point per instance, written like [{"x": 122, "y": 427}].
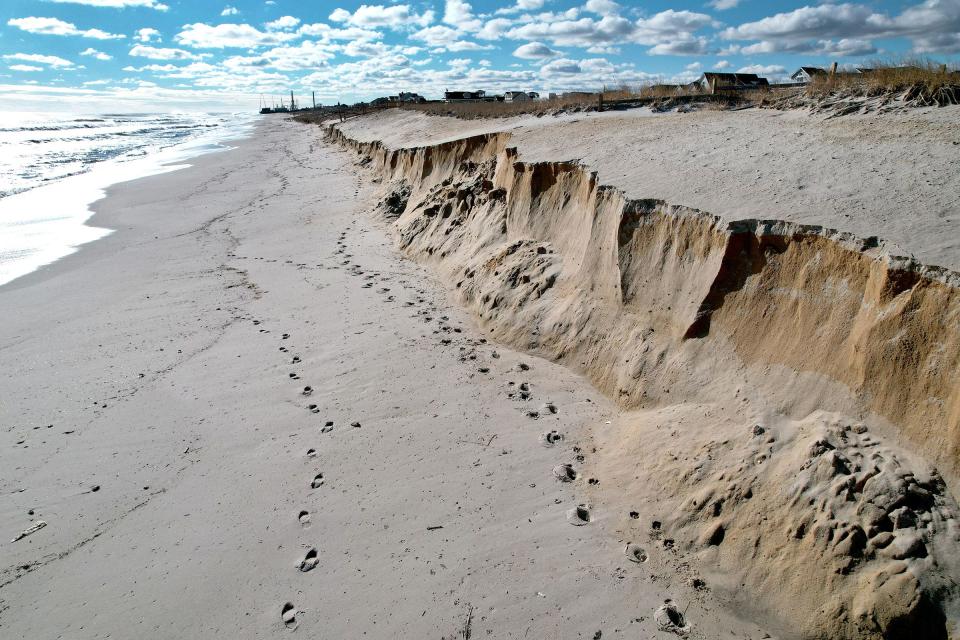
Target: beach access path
[{"x": 155, "y": 415}]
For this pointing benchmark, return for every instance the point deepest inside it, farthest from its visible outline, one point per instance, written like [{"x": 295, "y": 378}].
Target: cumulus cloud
[
  {"x": 534, "y": 51},
  {"x": 494, "y": 29},
  {"x": 327, "y": 33},
  {"x": 117, "y": 4},
  {"x": 602, "y": 7},
  {"x": 57, "y": 27},
  {"x": 93, "y": 53},
  {"x": 147, "y": 35},
  {"x": 161, "y": 53},
  {"x": 229, "y": 11},
  {"x": 668, "y": 32},
  {"x": 24, "y": 67},
  {"x": 374, "y": 16},
  {"x": 36, "y": 58},
  {"x": 722, "y": 64},
  {"x": 933, "y": 26},
  {"x": 520, "y": 6},
  {"x": 723, "y": 5},
  {"x": 460, "y": 15},
  {"x": 227, "y": 35},
  {"x": 283, "y": 23},
  {"x": 445, "y": 38},
  {"x": 760, "y": 69}
]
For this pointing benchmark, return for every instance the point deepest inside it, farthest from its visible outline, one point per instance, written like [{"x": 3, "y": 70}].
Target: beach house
[
  {"x": 806, "y": 74},
  {"x": 712, "y": 82}
]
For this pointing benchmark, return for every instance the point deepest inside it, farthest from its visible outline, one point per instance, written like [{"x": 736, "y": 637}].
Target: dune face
[{"x": 828, "y": 366}]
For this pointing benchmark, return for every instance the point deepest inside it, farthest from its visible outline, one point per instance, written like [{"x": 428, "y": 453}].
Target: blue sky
[{"x": 186, "y": 54}]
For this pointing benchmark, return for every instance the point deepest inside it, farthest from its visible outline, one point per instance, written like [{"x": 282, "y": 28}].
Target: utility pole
[
  {"x": 314, "y": 100},
  {"x": 292, "y": 107}
]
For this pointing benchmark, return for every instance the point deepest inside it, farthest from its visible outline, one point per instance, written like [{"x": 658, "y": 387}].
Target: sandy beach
[
  {"x": 353, "y": 383},
  {"x": 155, "y": 420}
]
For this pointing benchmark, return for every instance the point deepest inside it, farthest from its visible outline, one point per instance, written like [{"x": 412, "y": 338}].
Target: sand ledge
[{"x": 659, "y": 304}]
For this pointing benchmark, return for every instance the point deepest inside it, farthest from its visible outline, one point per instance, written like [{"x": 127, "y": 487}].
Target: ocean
[{"x": 54, "y": 166}]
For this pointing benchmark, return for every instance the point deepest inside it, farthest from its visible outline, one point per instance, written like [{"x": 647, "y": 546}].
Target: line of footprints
[{"x": 579, "y": 515}]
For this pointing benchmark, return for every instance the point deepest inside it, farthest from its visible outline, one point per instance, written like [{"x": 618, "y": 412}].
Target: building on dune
[
  {"x": 806, "y": 74},
  {"x": 712, "y": 82},
  {"x": 464, "y": 96}
]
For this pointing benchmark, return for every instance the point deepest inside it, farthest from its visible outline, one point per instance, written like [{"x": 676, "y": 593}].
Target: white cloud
[
  {"x": 117, "y": 4},
  {"x": 681, "y": 47},
  {"x": 24, "y": 68},
  {"x": 162, "y": 53},
  {"x": 602, "y": 7},
  {"x": 56, "y": 27},
  {"x": 693, "y": 66},
  {"x": 204, "y": 36},
  {"x": 147, "y": 35},
  {"x": 494, "y": 29},
  {"x": 284, "y": 23},
  {"x": 933, "y": 26},
  {"x": 667, "y": 32},
  {"x": 93, "y": 53},
  {"x": 762, "y": 70},
  {"x": 229, "y": 11},
  {"x": 307, "y": 55},
  {"x": 459, "y": 14},
  {"x": 446, "y": 38},
  {"x": 36, "y": 58},
  {"x": 520, "y": 6},
  {"x": 722, "y": 5},
  {"x": 722, "y": 64},
  {"x": 392, "y": 17},
  {"x": 327, "y": 33},
  {"x": 534, "y": 51}
]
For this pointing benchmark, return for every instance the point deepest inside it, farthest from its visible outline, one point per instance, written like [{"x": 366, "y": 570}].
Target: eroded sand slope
[{"x": 794, "y": 384}]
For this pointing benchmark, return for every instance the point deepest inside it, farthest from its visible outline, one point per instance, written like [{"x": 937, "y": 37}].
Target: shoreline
[{"x": 97, "y": 187}]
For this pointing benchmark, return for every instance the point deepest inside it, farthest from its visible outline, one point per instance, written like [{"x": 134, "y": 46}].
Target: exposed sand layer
[
  {"x": 156, "y": 417},
  {"x": 790, "y": 374},
  {"x": 895, "y": 176}
]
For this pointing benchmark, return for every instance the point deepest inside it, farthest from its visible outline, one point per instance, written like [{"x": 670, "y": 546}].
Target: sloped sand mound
[{"x": 834, "y": 531}]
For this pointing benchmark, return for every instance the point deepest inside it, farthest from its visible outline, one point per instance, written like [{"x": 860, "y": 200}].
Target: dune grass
[{"x": 921, "y": 82}]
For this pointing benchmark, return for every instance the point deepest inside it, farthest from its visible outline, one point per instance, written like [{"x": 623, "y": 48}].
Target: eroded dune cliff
[{"x": 826, "y": 363}]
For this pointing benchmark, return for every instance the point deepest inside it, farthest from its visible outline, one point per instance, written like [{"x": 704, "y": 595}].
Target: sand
[
  {"x": 788, "y": 389},
  {"x": 152, "y": 422},
  {"x": 397, "y": 381},
  {"x": 894, "y": 176}
]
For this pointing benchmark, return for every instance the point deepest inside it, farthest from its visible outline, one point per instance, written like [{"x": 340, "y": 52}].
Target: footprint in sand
[
  {"x": 317, "y": 481},
  {"x": 309, "y": 561},
  {"x": 313, "y": 408},
  {"x": 307, "y": 390},
  {"x": 311, "y": 453},
  {"x": 327, "y": 428},
  {"x": 565, "y": 473},
  {"x": 289, "y": 616},
  {"x": 304, "y": 518},
  {"x": 295, "y": 360},
  {"x": 285, "y": 336},
  {"x": 635, "y": 553},
  {"x": 551, "y": 438},
  {"x": 579, "y": 515},
  {"x": 294, "y": 376}
]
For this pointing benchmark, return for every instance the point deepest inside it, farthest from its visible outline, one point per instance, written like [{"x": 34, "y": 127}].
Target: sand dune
[{"x": 810, "y": 368}]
